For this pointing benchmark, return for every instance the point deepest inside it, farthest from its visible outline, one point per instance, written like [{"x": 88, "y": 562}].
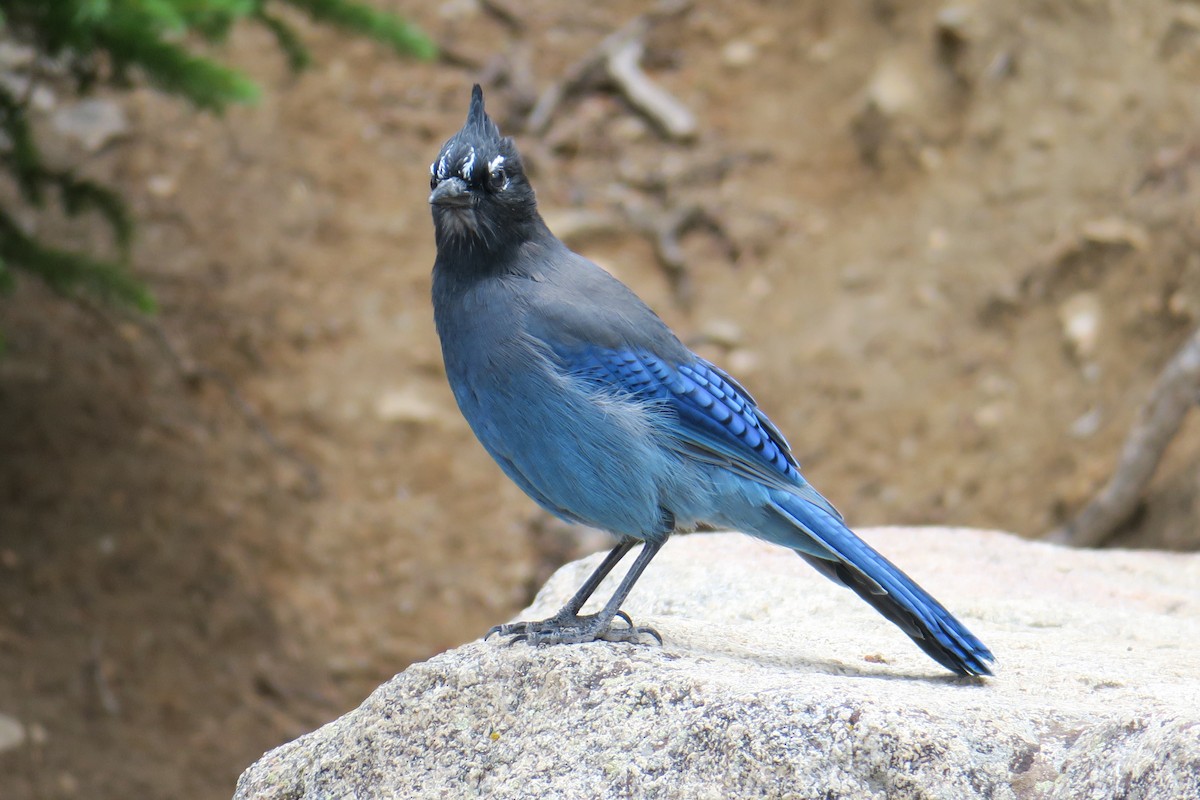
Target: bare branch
[
  {"x": 1176, "y": 390},
  {"x": 664, "y": 228},
  {"x": 623, "y": 67},
  {"x": 616, "y": 61},
  {"x": 503, "y": 14}
]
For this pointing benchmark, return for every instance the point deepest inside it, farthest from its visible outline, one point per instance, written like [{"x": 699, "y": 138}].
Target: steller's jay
[{"x": 595, "y": 408}]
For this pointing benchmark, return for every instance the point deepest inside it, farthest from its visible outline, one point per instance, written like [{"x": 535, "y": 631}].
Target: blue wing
[{"x": 719, "y": 422}]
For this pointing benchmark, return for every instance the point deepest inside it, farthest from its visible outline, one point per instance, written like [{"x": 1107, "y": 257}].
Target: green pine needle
[
  {"x": 7, "y": 280},
  {"x": 116, "y": 41},
  {"x": 80, "y": 195},
  {"x": 66, "y": 272},
  {"x": 205, "y": 83},
  {"x": 297, "y": 54},
  {"x": 22, "y": 158},
  {"x": 389, "y": 29}
]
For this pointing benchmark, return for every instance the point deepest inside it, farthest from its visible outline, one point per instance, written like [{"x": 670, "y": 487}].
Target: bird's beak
[{"x": 451, "y": 193}]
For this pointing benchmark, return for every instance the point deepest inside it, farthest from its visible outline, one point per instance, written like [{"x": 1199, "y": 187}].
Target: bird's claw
[
  {"x": 631, "y": 634},
  {"x": 648, "y": 631},
  {"x": 573, "y": 630},
  {"x": 492, "y": 631}
]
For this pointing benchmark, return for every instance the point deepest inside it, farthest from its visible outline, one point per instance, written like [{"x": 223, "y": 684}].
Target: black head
[{"x": 480, "y": 198}]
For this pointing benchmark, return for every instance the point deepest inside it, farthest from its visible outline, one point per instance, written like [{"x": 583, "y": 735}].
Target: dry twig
[
  {"x": 502, "y": 13},
  {"x": 623, "y": 67},
  {"x": 97, "y": 680},
  {"x": 664, "y": 229},
  {"x": 1169, "y": 164},
  {"x": 1176, "y": 390},
  {"x": 616, "y": 62}
]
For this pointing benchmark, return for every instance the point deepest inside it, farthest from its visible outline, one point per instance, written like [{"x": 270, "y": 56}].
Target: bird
[{"x": 598, "y": 411}]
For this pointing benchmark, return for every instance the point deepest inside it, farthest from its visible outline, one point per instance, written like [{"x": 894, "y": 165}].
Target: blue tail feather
[{"x": 847, "y": 559}]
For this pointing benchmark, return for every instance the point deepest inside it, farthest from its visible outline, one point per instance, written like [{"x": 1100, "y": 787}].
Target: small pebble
[
  {"x": 1080, "y": 316},
  {"x": 92, "y": 123},
  {"x": 1086, "y": 425},
  {"x": 12, "y": 733},
  {"x": 739, "y": 53}
]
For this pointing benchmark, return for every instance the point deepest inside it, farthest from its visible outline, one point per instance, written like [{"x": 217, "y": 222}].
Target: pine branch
[
  {"x": 65, "y": 272},
  {"x": 80, "y": 195},
  {"x": 389, "y": 29},
  {"x": 205, "y": 83},
  {"x": 8, "y": 281},
  {"x": 112, "y": 41},
  {"x": 22, "y": 158},
  {"x": 297, "y": 54}
]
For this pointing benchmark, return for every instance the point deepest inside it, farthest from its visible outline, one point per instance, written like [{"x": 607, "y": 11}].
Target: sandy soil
[{"x": 915, "y": 211}]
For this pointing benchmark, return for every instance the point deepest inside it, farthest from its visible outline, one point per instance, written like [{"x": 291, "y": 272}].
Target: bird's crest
[
  {"x": 479, "y": 124},
  {"x": 478, "y": 143}
]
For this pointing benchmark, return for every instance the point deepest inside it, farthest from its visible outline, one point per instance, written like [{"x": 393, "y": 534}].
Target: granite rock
[{"x": 774, "y": 682}]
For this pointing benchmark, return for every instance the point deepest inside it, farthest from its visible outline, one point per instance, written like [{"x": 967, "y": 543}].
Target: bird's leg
[
  {"x": 600, "y": 623},
  {"x": 599, "y": 574},
  {"x": 567, "y": 627},
  {"x": 570, "y": 611}
]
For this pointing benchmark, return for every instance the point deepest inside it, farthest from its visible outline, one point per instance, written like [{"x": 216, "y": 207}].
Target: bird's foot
[{"x": 574, "y": 629}]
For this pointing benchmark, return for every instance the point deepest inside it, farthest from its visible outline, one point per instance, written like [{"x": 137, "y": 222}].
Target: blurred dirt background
[{"x": 956, "y": 244}]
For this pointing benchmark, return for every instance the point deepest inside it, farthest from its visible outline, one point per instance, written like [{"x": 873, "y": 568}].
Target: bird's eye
[
  {"x": 433, "y": 181},
  {"x": 497, "y": 179}
]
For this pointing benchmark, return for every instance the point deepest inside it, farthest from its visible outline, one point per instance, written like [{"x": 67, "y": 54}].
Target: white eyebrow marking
[
  {"x": 443, "y": 167},
  {"x": 467, "y": 165},
  {"x": 495, "y": 163}
]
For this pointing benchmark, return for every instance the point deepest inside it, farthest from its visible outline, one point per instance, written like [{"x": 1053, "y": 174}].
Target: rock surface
[{"x": 774, "y": 682}]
